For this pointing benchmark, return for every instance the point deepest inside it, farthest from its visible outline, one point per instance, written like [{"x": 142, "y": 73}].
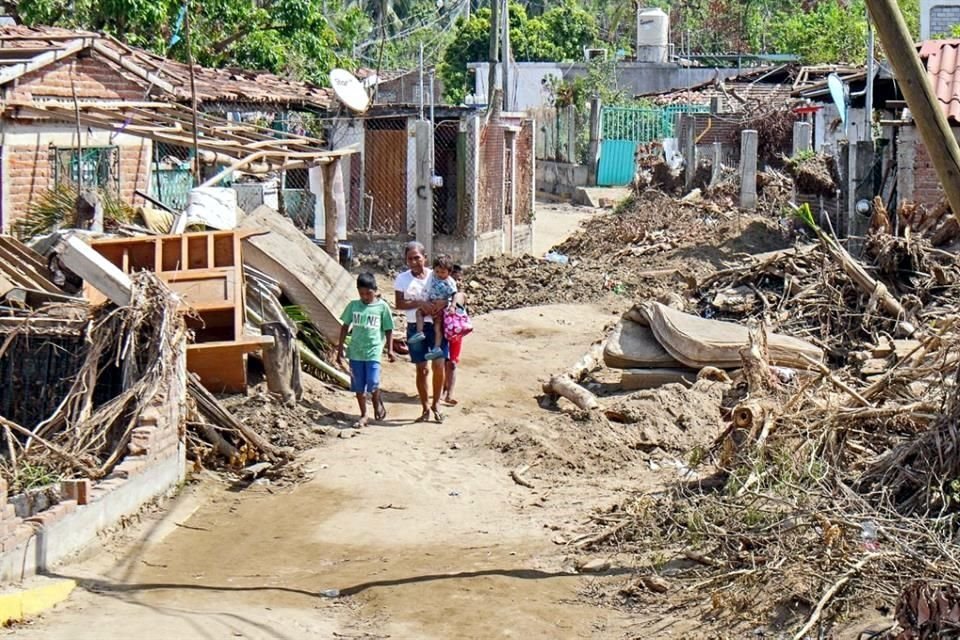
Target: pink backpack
[{"x": 456, "y": 323}]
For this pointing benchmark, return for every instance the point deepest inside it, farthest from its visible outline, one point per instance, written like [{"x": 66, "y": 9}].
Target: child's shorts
[{"x": 364, "y": 376}]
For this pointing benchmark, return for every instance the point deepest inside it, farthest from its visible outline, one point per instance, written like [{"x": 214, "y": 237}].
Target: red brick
[
  {"x": 44, "y": 518},
  {"x": 78, "y": 490}
]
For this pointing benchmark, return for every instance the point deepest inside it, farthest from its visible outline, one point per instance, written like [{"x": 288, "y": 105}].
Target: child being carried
[{"x": 440, "y": 286}]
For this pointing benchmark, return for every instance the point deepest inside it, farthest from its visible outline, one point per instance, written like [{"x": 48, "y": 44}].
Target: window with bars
[{"x": 96, "y": 167}]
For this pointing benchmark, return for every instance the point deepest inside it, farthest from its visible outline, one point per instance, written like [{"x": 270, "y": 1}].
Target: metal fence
[
  {"x": 447, "y": 148},
  {"x": 490, "y": 179},
  {"x": 643, "y": 124},
  {"x": 296, "y": 200},
  {"x": 378, "y": 191}
]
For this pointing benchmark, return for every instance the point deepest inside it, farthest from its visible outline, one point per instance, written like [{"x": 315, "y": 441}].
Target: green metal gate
[{"x": 623, "y": 128}]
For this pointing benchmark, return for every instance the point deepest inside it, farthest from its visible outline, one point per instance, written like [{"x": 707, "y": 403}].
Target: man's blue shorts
[
  {"x": 364, "y": 376},
  {"x": 418, "y": 350}
]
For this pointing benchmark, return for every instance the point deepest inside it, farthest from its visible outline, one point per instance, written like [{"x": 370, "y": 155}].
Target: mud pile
[{"x": 651, "y": 244}]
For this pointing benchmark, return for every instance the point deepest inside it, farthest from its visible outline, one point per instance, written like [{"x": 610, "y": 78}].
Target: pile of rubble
[
  {"x": 825, "y": 482},
  {"x": 644, "y": 248}
]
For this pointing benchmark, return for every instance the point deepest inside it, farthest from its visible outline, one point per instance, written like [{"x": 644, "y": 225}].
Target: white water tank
[{"x": 653, "y": 35}]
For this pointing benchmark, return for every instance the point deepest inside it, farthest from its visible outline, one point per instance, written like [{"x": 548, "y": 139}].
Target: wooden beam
[
  {"x": 68, "y": 49},
  {"x": 912, "y": 78},
  {"x": 103, "y": 49},
  {"x": 96, "y": 270}
]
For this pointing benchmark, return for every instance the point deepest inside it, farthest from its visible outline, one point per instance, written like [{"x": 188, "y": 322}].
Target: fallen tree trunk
[{"x": 563, "y": 386}]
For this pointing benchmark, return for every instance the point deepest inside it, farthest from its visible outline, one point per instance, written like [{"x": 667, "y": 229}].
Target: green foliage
[
  {"x": 56, "y": 208},
  {"x": 560, "y": 33},
  {"x": 290, "y": 37},
  {"x": 308, "y": 333},
  {"x": 828, "y": 33},
  {"x": 33, "y": 476}
]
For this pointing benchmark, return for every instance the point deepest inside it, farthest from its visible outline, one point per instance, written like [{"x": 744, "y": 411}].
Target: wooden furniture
[{"x": 206, "y": 270}]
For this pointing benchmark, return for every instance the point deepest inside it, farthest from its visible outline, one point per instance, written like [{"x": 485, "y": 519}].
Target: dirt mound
[
  {"x": 301, "y": 426},
  {"x": 651, "y": 244},
  {"x": 673, "y": 419}
]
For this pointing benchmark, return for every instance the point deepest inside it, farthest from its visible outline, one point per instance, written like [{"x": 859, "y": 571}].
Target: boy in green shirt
[{"x": 372, "y": 325}]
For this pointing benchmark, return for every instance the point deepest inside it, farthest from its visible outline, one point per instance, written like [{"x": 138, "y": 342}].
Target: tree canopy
[
  {"x": 288, "y": 37},
  {"x": 559, "y": 34},
  {"x": 305, "y": 38}
]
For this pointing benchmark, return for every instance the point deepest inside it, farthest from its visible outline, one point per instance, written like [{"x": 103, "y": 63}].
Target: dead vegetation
[{"x": 837, "y": 491}]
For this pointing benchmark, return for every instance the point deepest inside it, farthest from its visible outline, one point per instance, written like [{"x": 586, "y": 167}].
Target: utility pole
[
  {"x": 193, "y": 93},
  {"x": 505, "y": 72},
  {"x": 929, "y": 117},
  {"x": 868, "y": 105},
  {"x": 494, "y": 50}
]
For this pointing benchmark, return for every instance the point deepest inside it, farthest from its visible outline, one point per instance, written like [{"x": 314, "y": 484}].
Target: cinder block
[{"x": 77, "y": 490}]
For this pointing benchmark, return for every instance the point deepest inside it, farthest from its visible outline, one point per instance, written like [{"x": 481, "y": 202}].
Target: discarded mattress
[
  {"x": 633, "y": 346},
  {"x": 699, "y": 342}
]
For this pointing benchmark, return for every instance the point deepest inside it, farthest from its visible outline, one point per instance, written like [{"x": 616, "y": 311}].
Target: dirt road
[
  {"x": 555, "y": 222},
  {"x": 419, "y": 527}
]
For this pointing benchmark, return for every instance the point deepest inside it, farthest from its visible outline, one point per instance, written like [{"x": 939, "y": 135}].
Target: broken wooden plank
[
  {"x": 211, "y": 407},
  {"x": 308, "y": 276},
  {"x": 96, "y": 270}
]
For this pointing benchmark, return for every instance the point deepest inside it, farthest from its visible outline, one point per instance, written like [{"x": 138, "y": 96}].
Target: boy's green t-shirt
[{"x": 369, "y": 324}]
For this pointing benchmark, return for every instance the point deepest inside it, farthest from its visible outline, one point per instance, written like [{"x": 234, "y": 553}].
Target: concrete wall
[
  {"x": 938, "y": 17},
  {"x": 561, "y": 178},
  {"x": 462, "y": 250},
  {"x": 154, "y": 466},
  {"x": 531, "y": 79},
  {"x": 489, "y": 244},
  {"x": 523, "y": 239}
]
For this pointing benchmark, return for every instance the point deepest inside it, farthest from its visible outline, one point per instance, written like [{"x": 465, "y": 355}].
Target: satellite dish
[
  {"x": 839, "y": 93},
  {"x": 349, "y": 90}
]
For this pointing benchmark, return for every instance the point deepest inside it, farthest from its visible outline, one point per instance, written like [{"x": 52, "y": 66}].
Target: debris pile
[
  {"x": 86, "y": 433},
  {"x": 814, "y": 173},
  {"x": 634, "y": 251},
  {"x": 826, "y": 489}
]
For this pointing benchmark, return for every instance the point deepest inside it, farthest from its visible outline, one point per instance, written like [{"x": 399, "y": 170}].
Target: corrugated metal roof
[{"x": 940, "y": 57}]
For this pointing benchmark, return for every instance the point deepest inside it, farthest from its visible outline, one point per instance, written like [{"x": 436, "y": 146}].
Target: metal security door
[{"x": 623, "y": 128}]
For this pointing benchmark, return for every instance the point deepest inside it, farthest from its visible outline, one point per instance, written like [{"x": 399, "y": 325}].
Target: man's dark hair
[
  {"x": 443, "y": 262},
  {"x": 366, "y": 281}
]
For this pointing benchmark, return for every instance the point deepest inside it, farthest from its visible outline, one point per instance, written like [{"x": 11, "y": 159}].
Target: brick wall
[
  {"x": 712, "y": 128},
  {"x": 943, "y": 18},
  {"x": 93, "y": 77},
  {"x": 926, "y": 185},
  {"x": 29, "y": 172}
]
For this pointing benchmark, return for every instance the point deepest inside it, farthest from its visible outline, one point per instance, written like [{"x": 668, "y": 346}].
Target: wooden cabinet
[{"x": 206, "y": 270}]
